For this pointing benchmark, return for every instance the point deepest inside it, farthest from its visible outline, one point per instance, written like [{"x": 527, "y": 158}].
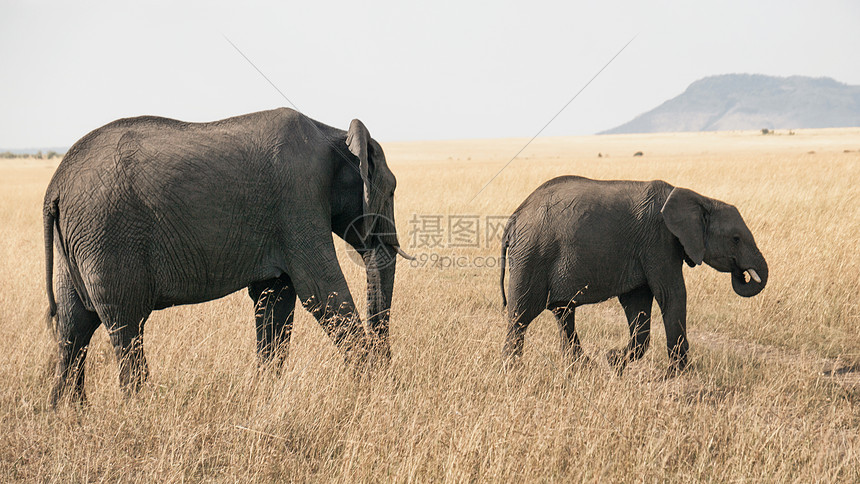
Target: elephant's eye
[{"x": 736, "y": 239}]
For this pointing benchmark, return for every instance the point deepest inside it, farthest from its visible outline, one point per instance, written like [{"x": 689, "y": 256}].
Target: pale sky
[{"x": 446, "y": 70}]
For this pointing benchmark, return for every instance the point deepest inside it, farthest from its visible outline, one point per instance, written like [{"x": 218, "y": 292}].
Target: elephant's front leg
[
  {"x": 337, "y": 315},
  {"x": 322, "y": 290},
  {"x": 275, "y": 302},
  {"x": 673, "y": 304}
]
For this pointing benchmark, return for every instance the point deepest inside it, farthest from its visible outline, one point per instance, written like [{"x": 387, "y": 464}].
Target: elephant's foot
[
  {"x": 676, "y": 369},
  {"x": 511, "y": 362},
  {"x": 133, "y": 373},
  {"x": 273, "y": 359},
  {"x": 379, "y": 360},
  {"x": 618, "y": 359},
  {"x": 68, "y": 384},
  {"x": 270, "y": 367},
  {"x": 578, "y": 361},
  {"x": 362, "y": 356},
  {"x": 61, "y": 394},
  {"x": 380, "y": 352},
  {"x": 372, "y": 361}
]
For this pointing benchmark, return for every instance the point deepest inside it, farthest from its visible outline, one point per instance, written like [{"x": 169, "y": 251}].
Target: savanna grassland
[{"x": 772, "y": 393}]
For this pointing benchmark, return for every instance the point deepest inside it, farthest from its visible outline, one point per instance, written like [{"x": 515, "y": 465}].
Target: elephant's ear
[
  {"x": 685, "y": 215},
  {"x": 357, "y": 138}
]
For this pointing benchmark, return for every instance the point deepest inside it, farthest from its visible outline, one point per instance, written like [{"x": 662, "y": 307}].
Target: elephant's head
[
  {"x": 363, "y": 215},
  {"x": 714, "y": 232}
]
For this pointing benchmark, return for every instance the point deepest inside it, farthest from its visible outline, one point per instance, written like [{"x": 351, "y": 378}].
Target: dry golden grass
[{"x": 754, "y": 405}]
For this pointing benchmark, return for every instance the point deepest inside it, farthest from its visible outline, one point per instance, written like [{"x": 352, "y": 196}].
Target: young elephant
[{"x": 578, "y": 241}]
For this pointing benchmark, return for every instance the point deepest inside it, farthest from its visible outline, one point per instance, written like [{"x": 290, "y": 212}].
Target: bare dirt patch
[{"x": 843, "y": 371}]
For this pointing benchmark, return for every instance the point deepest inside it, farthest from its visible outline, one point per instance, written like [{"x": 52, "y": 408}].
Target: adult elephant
[
  {"x": 577, "y": 241},
  {"x": 149, "y": 212}
]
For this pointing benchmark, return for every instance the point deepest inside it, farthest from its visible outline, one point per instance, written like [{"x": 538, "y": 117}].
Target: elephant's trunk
[
  {"x": 384, "y": 228},
  {"x": 380, "y": 265},
  {"x": 744, "y": 278}
]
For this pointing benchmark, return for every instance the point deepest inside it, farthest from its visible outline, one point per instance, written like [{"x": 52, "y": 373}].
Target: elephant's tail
[
  {"x": 49, "y": 219},
  {"x": 502, "y": 262}
]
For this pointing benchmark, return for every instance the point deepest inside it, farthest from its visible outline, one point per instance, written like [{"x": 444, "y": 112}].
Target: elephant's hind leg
[
  {"x": 518, "y": 322},
  {"x": 637, "y": 308},
  {"x": 75, "y": 328},
  {"x": 526, "y": 300},
  {"x": 124, "y": 323},
  {"x": 565, "y": 316},
  {"x": 275, "y": 303},
  {"x": 127, "y": 340}
]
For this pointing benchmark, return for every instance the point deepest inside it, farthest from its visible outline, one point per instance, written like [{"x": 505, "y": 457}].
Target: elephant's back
[
  {"x": 567, "y": 198},
  {"x": 176, "y": 192},
  {"x": 248, "y": 139},
  {"x": 148, "y": 153},
  {"x": 579, "y": 233},
  {"x": 573, "y": 187}
]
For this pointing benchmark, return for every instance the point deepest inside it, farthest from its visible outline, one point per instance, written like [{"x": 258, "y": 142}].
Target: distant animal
[
  {"x": 148, "y": 212},
  {"x": 577, "y": 241},
  {"x": 638, "y": 153}
]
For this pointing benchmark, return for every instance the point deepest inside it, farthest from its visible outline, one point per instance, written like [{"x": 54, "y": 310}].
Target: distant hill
[
  {"x": 33, "y": 151},
  {"x": 751, "y": 101}
]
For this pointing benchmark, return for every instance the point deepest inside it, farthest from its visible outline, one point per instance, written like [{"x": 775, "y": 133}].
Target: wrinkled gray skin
[
  {"x": 148, "y": 212},
  {"x": 578, "y": 241}
]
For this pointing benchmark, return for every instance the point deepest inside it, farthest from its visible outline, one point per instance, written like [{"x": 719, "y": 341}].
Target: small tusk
[
  {"x": 403, "y": 254},
  {"x": 754, "y": 275}
]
